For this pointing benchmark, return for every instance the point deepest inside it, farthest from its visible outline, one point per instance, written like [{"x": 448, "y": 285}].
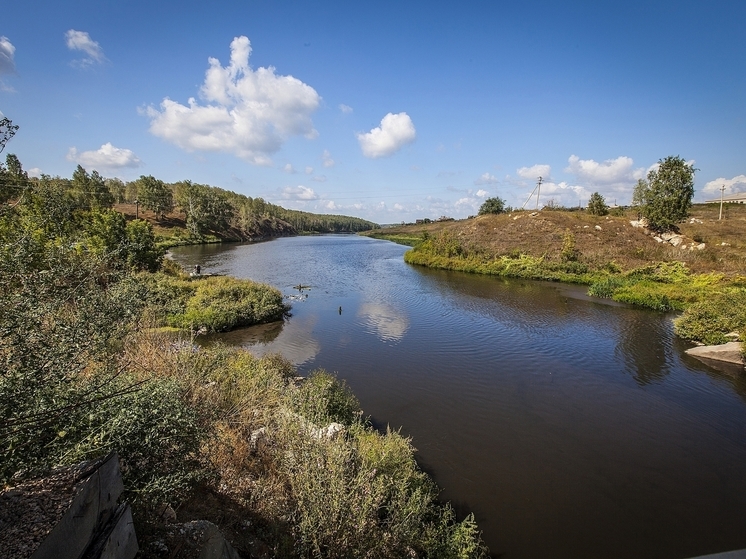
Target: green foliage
[
  {"x": 154, "y": 195},
  {"x": 597, "y": 205},
  {"x": 156, "y": 434},
  {"x": 323, "y": 399},
  {"x": 213, "y": 303},
  {"x": 364, "y": 496},
  {"x": 569, "y": 251},
  {"x": 131, "y": 244},
  {"x": 7, "y": 131},
  {"x": 91, "y": 191},
  {"x": 142, "y": 252},
  {"x": 494, "y": 205},
  {"x": 709, "y": 320},
  {"x": 62, "y": 316},
  {"x": 666, "y": 196},
  {"x": 13, "y": 179}
]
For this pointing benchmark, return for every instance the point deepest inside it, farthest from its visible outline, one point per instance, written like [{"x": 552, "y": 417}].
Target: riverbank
[{"x": 699, "y": 271}]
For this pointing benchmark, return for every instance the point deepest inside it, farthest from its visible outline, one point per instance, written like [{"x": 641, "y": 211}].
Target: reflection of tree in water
[
  {"x": 248, "y": 336},
  {"x": 642, "y": 345}
]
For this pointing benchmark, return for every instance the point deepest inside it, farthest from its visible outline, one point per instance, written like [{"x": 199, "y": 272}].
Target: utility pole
[
  {"x": 722, "y": 189},
  {"x": 537, "y": 187},
  {"x": 137, "y": 209}
]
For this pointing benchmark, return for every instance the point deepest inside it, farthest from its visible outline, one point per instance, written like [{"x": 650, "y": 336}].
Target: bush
[
  {"x": 323, "y": 399},
  {"x": 708, "y": 321},
  {"x": 156, "y": 434}
]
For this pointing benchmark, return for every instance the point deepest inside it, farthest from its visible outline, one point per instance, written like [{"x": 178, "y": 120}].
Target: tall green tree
[
  {"x": 91, "y": 190},
  {"x": 597, "y": 205},
  {"x": 154, "y": 195},
  {"x": 13, "y": 179},
  {"x": 666, "y": 196},
  {"x": 494, "y": 205}
]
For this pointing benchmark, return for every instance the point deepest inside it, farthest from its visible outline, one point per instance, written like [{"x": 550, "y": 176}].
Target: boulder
[{"x": 729, "y": 352}]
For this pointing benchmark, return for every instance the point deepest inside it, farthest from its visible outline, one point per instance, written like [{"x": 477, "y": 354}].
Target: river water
[{"x": 571, "y": 427}]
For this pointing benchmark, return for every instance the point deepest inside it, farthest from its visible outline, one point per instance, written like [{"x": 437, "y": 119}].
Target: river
[{"x": 571, "y": 427}]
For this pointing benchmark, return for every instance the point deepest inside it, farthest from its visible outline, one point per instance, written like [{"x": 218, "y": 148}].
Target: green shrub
[
  {"x": 569, "y": 251},
  {"x": 156, "y": 434},
  {"x": 606, "y": 287},
  {"x": 322, "y": 399},
  {"x": 708, "y": 321}
]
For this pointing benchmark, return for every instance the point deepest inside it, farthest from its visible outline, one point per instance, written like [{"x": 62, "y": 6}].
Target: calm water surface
[{"x": 570, "y": 427}]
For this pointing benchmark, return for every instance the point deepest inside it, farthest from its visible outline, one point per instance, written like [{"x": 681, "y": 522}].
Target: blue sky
[{"x": 389, "y": 111}]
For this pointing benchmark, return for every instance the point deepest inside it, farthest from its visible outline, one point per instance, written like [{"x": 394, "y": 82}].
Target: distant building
[{"x": 738, "y": 198}]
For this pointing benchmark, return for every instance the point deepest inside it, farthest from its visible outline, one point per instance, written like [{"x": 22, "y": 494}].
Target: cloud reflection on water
[{"x": 384, "y": 321}]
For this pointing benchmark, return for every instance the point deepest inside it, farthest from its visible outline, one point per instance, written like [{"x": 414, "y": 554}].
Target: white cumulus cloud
[
  {"x": 611, "y": 171},
  {"x": 288, "y": 168},
  {"x": 482, "y": 193},
  {"x": 396, "y": 131},
  {"x": 106, "y": 157},
  {"x": 7, "y": 52},
  {"x": 299, "y": 192},
  {"x": 309, "y": 170},
  {"x": 534, "y": 172},
  {"x": 326, "y": 157},
  {"x": 81, "y": 41},
  {"x": 486, "y": 178},
  {"x": 249, "y": 113},
  {"x": 732, "y": 186},
  {"x": 346, "y": 109}
]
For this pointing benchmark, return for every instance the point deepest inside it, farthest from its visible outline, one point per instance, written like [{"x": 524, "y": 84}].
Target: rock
[
  {"x": 256, "y": 436},
  {"x": 642, "y": 223},
  {"x": 733, "y": 336},
  {"x": 724, "y": 244},
  {"x": 676, "y": 240},
  {"x": 700, "y": 246},
  {"x": 729, "y": 352},
  {"x": 658, "y": 239},
  {"x": 598, "y": 228},
  {"x": 534, "y": 214},
  {"x": 331, "y": 431}
]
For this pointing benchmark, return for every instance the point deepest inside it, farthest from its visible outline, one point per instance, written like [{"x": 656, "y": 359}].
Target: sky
[{"x": 389, "y": 111}]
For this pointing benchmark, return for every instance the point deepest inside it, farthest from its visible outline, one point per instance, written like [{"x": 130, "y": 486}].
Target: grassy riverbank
[
  {"x": 95, "y": 341},
  {"x": 703, "y": 275}
]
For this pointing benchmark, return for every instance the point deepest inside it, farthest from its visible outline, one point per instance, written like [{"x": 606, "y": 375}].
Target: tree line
[{"x": 206, "y": 210}]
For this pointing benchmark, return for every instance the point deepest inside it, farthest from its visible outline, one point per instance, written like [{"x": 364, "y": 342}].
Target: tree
[
  {"x": 597, "y": 205},
  {"x": 117, "y": 189},
  {"x": 13, "y": 179},
  {"x": 155, "y": 195},
  {"x": 7, "y": 131},
  {"x": 494, "y": 205},
  {"x": 91, "y": 190},
  {"x": 667, "y": 194},
  {"x": 206, "y": 208}
]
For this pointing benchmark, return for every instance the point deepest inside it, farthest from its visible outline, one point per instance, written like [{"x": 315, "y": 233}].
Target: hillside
[{"x": 598, "y": 241}]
